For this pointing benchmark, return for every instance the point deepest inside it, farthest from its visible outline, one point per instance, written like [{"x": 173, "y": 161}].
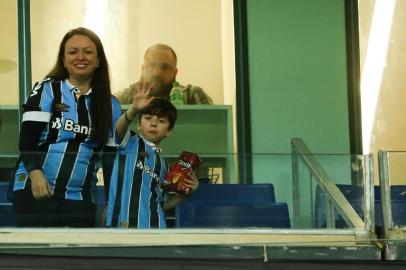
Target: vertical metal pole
[
  {"x": 369, "y": 195},
  {"x": 24, "y": 50},
  {"x": 243, "y": 109},
  {"x": 384, "y": 183},
  {"x": 311, "y": 205},
  {"x": 295, "y": 188},
  {"x": 353, "y": 75},
  {"x": 330, "y": 213}
]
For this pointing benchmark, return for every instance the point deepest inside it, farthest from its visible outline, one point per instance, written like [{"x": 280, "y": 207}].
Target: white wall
[
  {"x": 387, "y": 116},
  {"x": 192, "y": 27},
  {"x": 8, "y": 53}
]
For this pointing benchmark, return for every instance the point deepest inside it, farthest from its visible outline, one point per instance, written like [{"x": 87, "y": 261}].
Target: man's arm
[
  {"x": 196, "y": 95},
  {"x": 126, "y": 96}
]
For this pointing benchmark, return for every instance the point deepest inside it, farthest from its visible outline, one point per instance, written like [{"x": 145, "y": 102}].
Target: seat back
[
  {"x": 7, "y": 217},
  {"x": 100, "y": 201},
  {"x": 235, "y": 215},
  {"x": 398, "y": 203},
  {"x": 354, "y": 194},
  {"x": 252, "y": 193},
  {"x": 232, "y": 206}
]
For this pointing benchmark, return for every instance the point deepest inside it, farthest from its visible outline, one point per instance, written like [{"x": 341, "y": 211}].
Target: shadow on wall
[{"x": 7, "y": 65}]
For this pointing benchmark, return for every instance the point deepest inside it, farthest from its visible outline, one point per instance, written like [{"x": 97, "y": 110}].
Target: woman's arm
[
  {"x": 36, "y": 117},
  {"x": 32, "y": 159}
]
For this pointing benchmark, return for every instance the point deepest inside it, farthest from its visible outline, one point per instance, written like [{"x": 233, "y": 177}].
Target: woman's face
[{"x": 80, "y": 58}]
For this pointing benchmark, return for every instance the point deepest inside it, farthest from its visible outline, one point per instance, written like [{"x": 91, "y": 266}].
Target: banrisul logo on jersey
[
  {"x": 69, "y": 125},
  {"x": 147, "y": 170}
]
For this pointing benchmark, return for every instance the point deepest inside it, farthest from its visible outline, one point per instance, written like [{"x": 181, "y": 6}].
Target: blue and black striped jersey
[
  {"x": 55, "y": 137},
  {"x": 135, "y": 195}
]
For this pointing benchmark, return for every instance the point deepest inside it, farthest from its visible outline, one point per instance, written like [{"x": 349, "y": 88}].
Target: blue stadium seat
[
  {"x": 354, "y": 195},
  {"x": 252, "y": 193},
  {"x": 234, "y": 215},
  {"x": 3, "y": 191},
  {"x": 398, "y": 197},
  {"x": 7, "y": 218},
  {"x": 232, "y": 206}
]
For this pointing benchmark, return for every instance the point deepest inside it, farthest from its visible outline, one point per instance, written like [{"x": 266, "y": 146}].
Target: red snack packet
[{"x": 186, "y": 162}]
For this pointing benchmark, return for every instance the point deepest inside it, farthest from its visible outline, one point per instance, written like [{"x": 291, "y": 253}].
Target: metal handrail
[{"x": 300, "y": 149}]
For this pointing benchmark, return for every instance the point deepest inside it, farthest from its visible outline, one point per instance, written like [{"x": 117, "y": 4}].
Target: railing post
[
  {"x": 295, "y": 188},
  {"x": 386, "y": 199},
  {"x": 330, "y": 216},
  {"x": 369, "y": 195}
]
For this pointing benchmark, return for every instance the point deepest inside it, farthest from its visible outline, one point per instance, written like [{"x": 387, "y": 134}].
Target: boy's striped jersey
[{"x": 135, "y": 194}]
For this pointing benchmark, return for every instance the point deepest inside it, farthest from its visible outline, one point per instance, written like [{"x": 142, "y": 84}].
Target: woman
[{"x": 67, "y": 118}]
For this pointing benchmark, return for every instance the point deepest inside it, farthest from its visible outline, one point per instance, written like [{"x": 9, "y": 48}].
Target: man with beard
[{"x": 159, "y": 69}]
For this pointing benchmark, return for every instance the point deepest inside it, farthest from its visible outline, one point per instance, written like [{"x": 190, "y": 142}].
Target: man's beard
[{"x": 161, "y": 89}]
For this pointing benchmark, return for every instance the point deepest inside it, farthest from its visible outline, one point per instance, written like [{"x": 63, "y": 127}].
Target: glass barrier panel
[
  {"x": 330, "y": 192},
  {"x": 123, "y": 202},
  {"x": 392, "y": 195},
  {"x": 324, "y": 192}
]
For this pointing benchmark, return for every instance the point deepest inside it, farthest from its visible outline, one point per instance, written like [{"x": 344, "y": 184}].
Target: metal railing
[{"x": 336, "y": 198}]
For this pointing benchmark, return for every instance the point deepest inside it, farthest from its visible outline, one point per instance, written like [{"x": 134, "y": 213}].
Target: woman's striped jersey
[{"x": 55, "y": 137}]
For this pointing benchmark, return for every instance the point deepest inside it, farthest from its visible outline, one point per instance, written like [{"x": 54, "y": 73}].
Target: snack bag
[{"x": 186, "y": 162}]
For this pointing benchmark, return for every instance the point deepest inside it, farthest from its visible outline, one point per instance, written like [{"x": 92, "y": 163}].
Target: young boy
[{"x": 136, "y": 198}]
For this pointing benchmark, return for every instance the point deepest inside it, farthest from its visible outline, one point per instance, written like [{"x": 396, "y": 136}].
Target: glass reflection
[
  {"x": 297, "y": 196},
  {"x": 128, "y": 28}
]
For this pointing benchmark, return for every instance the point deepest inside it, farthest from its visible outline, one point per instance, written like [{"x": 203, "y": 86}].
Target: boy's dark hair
[{"x": 161, "y": 108}]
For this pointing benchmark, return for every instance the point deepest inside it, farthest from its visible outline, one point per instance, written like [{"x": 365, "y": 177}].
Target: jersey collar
[
  {"x": 74, "y": 89},
  {"x": 153, "y": 145}
]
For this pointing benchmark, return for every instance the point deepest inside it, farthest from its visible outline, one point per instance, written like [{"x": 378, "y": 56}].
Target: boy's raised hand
[{"x": 142, "y": 96}]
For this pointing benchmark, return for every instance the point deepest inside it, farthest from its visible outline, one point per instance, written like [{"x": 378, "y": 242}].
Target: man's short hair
[
  {"x": 162, "y": 46},
  {"x": 161, "y": 108}
]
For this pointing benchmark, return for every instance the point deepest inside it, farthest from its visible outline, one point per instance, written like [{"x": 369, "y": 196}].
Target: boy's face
[{"x": 154, "y": 128}]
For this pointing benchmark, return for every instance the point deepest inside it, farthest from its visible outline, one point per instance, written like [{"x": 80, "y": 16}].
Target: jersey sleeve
[
  {"x": 116, "y": 110},
  {"x": 36, "y": 115},
  {"x": 113, "y": 141}
]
